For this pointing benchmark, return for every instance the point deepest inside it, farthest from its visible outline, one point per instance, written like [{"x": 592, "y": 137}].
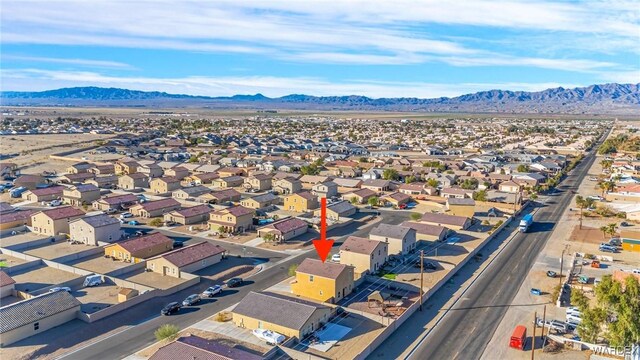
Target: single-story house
[
  {"x": 155, "y": 208},
  {"x": 397, "y": 199},
  {"x": 116, "y": 202},
  {"x": 449, "y": 221},
  {"x": 188, "y": 259},
  {"x": 33, "y": 316},
  {"x": 338, "y": 210},
  {"x": 361, "y": 196},
  {"x": 14, "y": 219},
  {"x": 285, "y": 315},
  {"x": 195, "y": 347},
  {"x": 455, "y": 192},
  {"x": 461, "y": 207},
  {"x": 138, "y": 249},
  {"x": 285, "y": 229},
  {"x": 260, "y": 201},
  {"x": 427, "y": 232},
  {"x": 190, "y": 192},
  {"x": 220, "y": 196},
  {"x": 191, "y": 215},
  {"x": 43, "y": 194},
  {"x": 7, "y": 285},
  {"x": 377, "y": 185},
  {"x": 30, "y": 181},
  {"x": 228, "y": 182}
]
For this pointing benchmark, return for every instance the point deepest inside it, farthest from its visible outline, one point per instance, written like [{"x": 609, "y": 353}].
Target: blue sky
[{"x": 380, "y": 49}]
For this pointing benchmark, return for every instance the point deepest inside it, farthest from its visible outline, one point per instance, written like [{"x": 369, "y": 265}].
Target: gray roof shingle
[
  {"x": 37, "y": 308},
  {"x": 277, "y": 309},
  {"x": 391, "y": 231}
]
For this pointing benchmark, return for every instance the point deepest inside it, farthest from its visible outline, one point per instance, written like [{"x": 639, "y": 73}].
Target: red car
[{"x": 402, "y": 206}]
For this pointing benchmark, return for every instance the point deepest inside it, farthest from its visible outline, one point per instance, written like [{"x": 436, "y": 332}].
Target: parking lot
[
  {"x": 40, "y": 277},
  {"x": 98, "y": 264}
]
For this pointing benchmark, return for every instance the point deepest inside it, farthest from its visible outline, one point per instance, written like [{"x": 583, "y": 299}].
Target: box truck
[
  {"x": 518, "y": 338},
  {"x": 526, "y": 221}
]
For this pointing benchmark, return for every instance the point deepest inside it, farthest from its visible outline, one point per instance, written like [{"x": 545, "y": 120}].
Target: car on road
[
  {"x": 213, "y": 290},
  {"x": 170, "y": 308},
  {"x": 60, "y": 288},
  {"x": 133, "y": 222},
  {"x": 551, "y": 274},
  {"x": 535, "y": 291},
  {"x": 234, "y": 282},
  {"x": 335, "y": 257},
  {"x": 125, "y": 215},
  {"x": 191, "y": 300}
]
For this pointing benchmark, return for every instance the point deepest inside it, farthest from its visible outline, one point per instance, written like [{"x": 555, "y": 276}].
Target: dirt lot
[
  {"x": 34, "y": 150},
  {"x": 40, "y": 277},
  {"x": 151, "y": 279},
  {"x": 21, "y": 238},
  {"x": 97, "y": 298},
  {"x": 56, "y": 250},
  {"x": 98, "y": 264},
  {"x": 10, "y": 261}
]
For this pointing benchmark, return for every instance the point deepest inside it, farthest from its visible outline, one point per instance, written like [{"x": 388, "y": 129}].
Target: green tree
[
  {"x": 354, "y": 200},
  {"x": 579, "y": 299},
  {"x": 607, "y": 186},
  {"x": 591, "y": 325},
  {"x": 269, "y": 237},
  {"x": 292, "y": 270},
  {"x": 373, "y": 201},
  {"x": 409, "y": 179},
  {"x": 166, "y": 331},
  {"x": 606, "y": 164},
  {"x": 469, "y": 184},
  {"x": 583, "y": 203},
  {"x": 480, "y": 195},
  {"x": 416, "y": 216},
  {"x": 433, "y": 182},
  {"x": 523, "y": 168},
  {"x": 390, "y": 174}
]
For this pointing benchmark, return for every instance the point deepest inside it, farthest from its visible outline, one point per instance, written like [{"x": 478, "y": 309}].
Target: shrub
[
  {"x": 292, "y": 269},
  {"x": 166, "y": 331},
  {"x": 157, "y": 222},
  {"x": 555, "y": 293}
]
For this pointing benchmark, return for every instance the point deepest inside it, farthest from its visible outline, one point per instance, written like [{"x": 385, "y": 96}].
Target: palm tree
[
  {"x": 583, "y": 203},
  {"x": 606, "y": 164},
  {"x": 607, "y": 186}
]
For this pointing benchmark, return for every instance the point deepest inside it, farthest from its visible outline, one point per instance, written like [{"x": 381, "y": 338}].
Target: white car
[
  {"x": 335, "y": 257},
  {"x": 212, "y": 291},
  {"x": 125, "y": 215},
  {"x": 60, "y": 288},
  {"x": 56, "y": 202},
  {"x": 271, "y": 337}
]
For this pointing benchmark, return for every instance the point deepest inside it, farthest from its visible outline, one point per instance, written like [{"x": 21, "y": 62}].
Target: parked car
[
  {"x": 624, "y": 223},
  {"x": 615, "y": 242},
  {"x": 125, "y": 215},
  {"x": 60, "y": 288},
  {"x": 110, "y": 211},
  {"x": 92, "y": 280},
  {"x": 535, "y": 291},
  {"x": 607, "y": 248},
  {"x": 213, "y": 290},
  {"x": 133, "y": 222},
  {"x": 595, "y": 264},
  {"x": 595, "y": 197},
  {"x": 234, "y": 282},
  {"x": 191, "y": 300},
  {"x": 402, "y": 206},
  {"x": 56, "y": 202},
  {"x": 559, "y": 326},
  {"x": 170, "y": 223},
  {"x": 170, "y": 308},
  {"x": 551, "y": 274},
  {"x": 430, "y": 266},
  {"x": 335, "y": 257}
]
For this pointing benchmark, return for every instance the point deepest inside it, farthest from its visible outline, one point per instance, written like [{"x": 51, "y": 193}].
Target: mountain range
[{"x": 595, "y": 99}]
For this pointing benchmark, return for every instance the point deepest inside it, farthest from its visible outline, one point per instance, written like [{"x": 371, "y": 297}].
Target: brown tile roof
[
  {"x": 5, "y": 279},
  {"x": 426, "y": 229},
  {"x": 239, "y": 210},
  {"x": 62, "y": 212},
  {"x": 444, "y": 219},
  {"x": 194, "y": 347},
  {"x": 159, "y": 204},
  {"x": 144, "y": 242},
  {"x": 363, "y": 193},
  {"x": 206, "y": 176},
  {"x": 318, "y": 268},
  {"x": 53, "y": 190},
  {"x": 192, "y": 253},
  {"x": 119, "y": 199},
  {"x": 360, "y": 245},
  {"x": 16, "y": 216},
  {"x": 167, "y": 179},
  {"x": 306, "y": 195},
  {"x": 287, "y": 225},
  {"x": 193, "y": 211}
]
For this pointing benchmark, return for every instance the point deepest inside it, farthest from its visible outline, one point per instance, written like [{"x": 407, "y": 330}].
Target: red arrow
[{"x": 323, "y": 245}]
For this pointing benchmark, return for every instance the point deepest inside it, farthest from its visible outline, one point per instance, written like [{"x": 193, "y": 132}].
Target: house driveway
[{"x": 228, "y": 329}]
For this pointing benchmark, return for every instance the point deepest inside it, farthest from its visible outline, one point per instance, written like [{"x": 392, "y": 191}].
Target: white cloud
[
  {"x": 36, "y": 80},
  {"x": 80, "y": 62},
  {"x": 343, "y": 32}
]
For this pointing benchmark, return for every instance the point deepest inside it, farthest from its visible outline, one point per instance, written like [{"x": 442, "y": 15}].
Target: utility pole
[
  {"x": 533, "y": 346},
  {"x": 421, "y": 277},
  {"x": 544, "y": 321}
]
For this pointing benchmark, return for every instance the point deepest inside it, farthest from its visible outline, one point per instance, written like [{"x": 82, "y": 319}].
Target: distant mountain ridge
[{"x": 605, "y": 98}]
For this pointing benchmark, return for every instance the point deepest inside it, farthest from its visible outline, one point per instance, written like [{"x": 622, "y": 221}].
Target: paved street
[{"x": 479, "y": 312}]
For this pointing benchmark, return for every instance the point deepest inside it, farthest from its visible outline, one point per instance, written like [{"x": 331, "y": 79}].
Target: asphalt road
[
  {"x": 465, "y": 331},
  {"x": 140, "y": 335}
]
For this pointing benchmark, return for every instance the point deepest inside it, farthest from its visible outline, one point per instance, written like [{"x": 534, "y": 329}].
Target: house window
[
  {"x": 310, "y": 278},
  {"x": 36, "y": 326}
]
